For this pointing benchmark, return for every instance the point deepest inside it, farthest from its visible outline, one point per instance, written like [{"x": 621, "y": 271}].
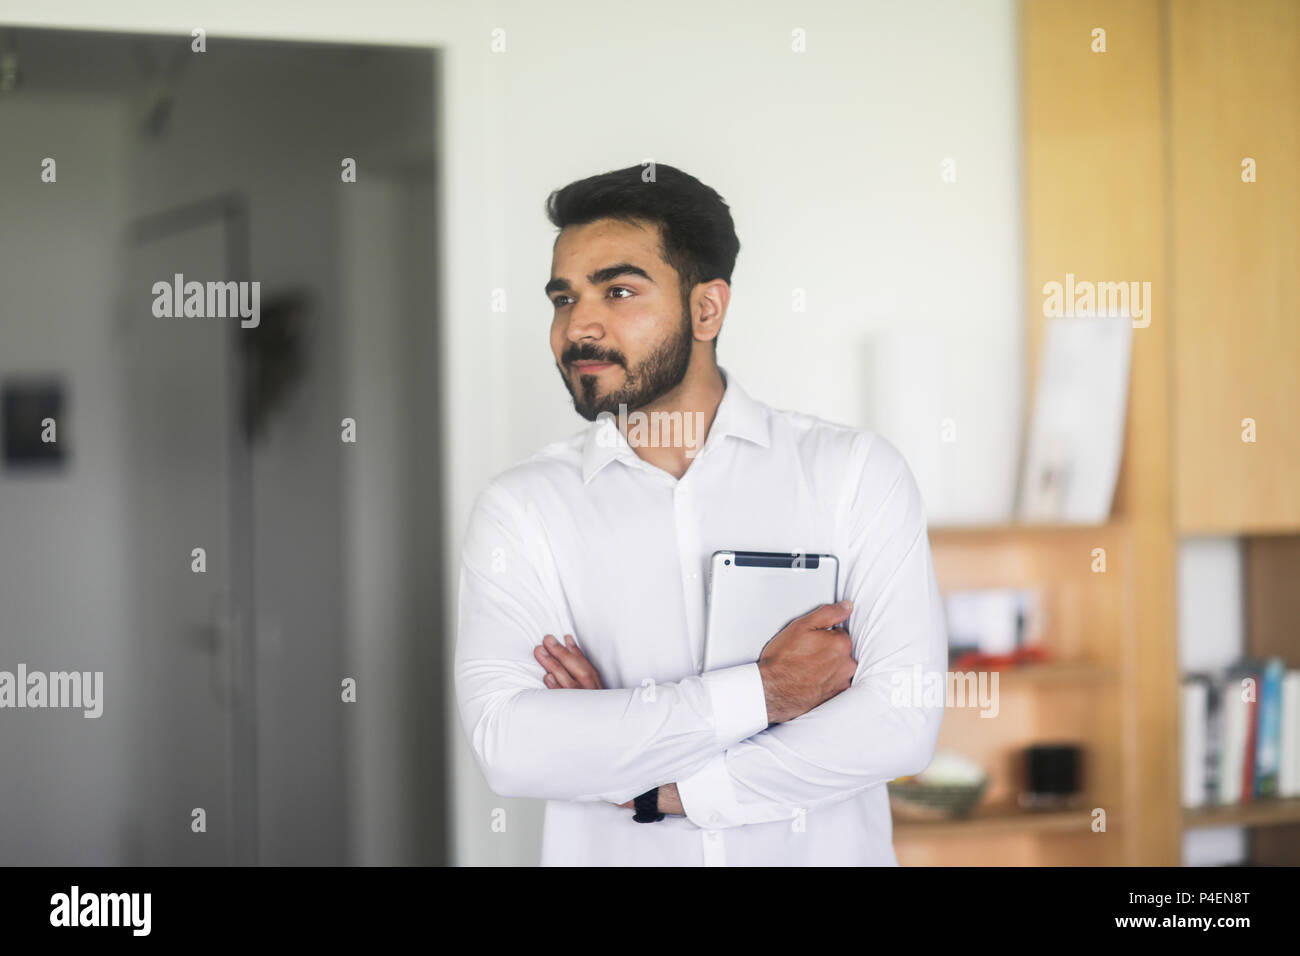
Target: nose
[{"x": 584, "y": 323}]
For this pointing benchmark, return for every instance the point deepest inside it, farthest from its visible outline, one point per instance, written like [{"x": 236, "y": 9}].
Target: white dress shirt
[{"x": 586, "y": 538}]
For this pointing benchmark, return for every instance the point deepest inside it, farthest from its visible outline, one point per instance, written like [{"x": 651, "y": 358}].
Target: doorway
[{"x": 225, "y": 530}]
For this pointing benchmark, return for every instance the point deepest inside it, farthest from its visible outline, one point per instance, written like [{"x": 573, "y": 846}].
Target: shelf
[
  {"x": 1057, "y": 672},
  {"x": 1018, "y": 527},
  {"x": 1262, "y": 813},
  {"x": 997, "y": 818}
]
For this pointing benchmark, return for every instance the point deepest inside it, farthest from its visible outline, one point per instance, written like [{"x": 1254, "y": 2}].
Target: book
[
  {"x": 1240, "y": 734},
  {"x": 1251, "y": 700},
  {"x": 1194, "y": 713},
  {"x": 1215, "y": 720},
  {"x": 1268, "y": 743},
  {"x": 1233, "y": 743},
  {"x": 1289, "y": 736}
]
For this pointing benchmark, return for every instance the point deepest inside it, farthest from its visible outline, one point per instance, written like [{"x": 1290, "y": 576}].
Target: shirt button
[
  {"x": 714, "y": 818},
  {"x": 713, "y": 836}
]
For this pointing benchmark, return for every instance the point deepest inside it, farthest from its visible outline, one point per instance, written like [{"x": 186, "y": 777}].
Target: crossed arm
[
  {"x": 706, "y": 737},
  {"x": 567, "y": 667}
]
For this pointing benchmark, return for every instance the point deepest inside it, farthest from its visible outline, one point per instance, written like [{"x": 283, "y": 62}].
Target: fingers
[
  {"x": 567, "y": 666},
  {"x": 828, "y": 615},
  {"x": 557, "y": 675},
  {"x": 573, "y": 647},
  {"x": 574, "y": 662}
]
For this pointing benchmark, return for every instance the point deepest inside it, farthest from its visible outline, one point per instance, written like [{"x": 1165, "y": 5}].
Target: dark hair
[{"x": 697, "y": 236}]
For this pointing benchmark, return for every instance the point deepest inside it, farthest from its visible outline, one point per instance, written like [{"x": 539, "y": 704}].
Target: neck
[{"x": 673, "y": 429}]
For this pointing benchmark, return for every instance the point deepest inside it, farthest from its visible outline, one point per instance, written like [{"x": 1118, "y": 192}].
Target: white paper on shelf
[{"x": 1076, "y": 435}]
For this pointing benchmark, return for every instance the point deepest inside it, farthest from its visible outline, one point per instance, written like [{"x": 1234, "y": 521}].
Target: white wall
[
  {"x": 63, "y": 585},
  {"x": 830, "y": 161}
]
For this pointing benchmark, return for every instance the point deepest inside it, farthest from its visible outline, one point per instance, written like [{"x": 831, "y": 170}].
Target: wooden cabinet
[
  {"x": 1234, "y": 99},
  {"x": 1133, "y": 162},
  {"x": 1133, "y": 173}
]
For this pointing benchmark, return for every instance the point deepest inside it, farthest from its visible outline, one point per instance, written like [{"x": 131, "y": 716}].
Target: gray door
[{"x": 186, "y": 681}]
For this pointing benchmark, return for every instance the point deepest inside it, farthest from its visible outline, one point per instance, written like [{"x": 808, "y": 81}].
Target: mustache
[{"x": 590, "y": 354}]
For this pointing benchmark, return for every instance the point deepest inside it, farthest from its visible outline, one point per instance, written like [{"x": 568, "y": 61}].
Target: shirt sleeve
[
  {"x": 584, "y": 745},
  {"x": 881, "y": 727}
]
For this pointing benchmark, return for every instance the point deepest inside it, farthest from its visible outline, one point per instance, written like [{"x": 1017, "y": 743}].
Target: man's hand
[
  {"x": 806, "y": 664},
  {"x": 566, "y": 666}
]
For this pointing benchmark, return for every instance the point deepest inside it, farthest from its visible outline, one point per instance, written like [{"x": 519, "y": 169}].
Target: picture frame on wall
[{"x": 33, "y": 427}]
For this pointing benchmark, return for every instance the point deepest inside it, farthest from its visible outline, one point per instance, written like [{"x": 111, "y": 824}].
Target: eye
[
  {"x": 621, "y": 288},
  {"x": 556, "y": 301}
]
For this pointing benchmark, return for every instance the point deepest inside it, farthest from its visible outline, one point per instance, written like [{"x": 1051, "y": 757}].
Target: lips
[{"x": 589, "y": 367}]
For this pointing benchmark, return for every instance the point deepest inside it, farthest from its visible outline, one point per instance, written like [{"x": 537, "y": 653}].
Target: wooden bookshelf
[
  {"x": 1078, "y": 696},
  {"x": 1234, "y": 80},
  {"x": 1094, "y": 206},
  {"x": 1271, "y": 566}
]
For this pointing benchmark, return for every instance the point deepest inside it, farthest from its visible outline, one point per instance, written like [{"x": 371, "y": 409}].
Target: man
[{"x": 582, "y": 588}]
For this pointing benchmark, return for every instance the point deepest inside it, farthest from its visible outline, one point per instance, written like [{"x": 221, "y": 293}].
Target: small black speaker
[{"x": 1053, "y": 775}]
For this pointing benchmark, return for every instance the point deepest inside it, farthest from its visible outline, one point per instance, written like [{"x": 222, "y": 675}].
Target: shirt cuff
[
  {"x": 738, "y": 700},
  {"x": 708, "y": 797},
  {"x": 709, "y": 800}
]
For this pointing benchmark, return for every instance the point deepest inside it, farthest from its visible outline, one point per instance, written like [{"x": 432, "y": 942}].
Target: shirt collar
[{"x": 738, "y": 416}]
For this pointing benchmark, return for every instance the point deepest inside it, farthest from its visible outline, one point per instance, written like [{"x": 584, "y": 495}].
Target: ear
[{"x": 709, "y": 302}]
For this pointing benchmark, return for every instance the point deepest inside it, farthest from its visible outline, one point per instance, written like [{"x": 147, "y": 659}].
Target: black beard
[{"x": 652, "y": 378}]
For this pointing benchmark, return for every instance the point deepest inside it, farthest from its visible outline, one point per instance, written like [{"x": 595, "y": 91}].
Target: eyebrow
[{"x": 599, "y": 276}]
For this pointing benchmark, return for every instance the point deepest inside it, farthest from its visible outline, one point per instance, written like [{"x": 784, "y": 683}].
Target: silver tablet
[{"x": 753, "y": 595}]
